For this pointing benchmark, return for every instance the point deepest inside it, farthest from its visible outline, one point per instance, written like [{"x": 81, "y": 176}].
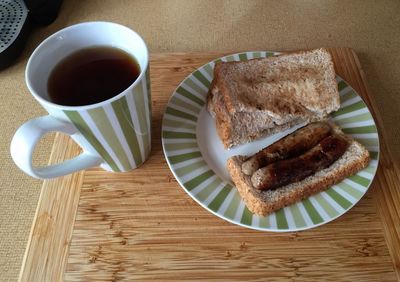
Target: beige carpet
[{"x": 370, "y": 27}]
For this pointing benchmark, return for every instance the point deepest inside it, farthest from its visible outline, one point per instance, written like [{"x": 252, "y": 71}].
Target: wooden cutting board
[{"x": 99, "y": 226}]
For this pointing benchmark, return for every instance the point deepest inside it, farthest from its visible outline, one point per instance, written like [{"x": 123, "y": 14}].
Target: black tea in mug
[{"x": 92, "y": 75}]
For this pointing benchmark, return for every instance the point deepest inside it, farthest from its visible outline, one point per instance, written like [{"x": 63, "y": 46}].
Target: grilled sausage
[
  {"x": 290, "y": 146},
  {"x": 292, "y": 170}
]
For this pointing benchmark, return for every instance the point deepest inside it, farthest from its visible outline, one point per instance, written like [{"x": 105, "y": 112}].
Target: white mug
[{"x": 114, "y": 134}]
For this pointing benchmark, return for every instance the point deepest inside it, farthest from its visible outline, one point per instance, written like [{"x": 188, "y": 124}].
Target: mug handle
[{"x": 26, "y": 138}]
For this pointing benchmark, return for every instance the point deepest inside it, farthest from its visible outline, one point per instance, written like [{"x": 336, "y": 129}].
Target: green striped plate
[{"x": 197, "y": 158}]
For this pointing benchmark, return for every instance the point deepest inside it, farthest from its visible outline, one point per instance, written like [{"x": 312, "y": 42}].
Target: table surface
[
  {"x": 95, "y": 225},
  {"x": 371, "y": 29}
]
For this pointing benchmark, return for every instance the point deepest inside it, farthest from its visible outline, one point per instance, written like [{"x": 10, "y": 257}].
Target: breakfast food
[
  {"x": 292, "y": 145},
  {"x": 306, "y": 164},
  {"x": 259, "y": 97}
]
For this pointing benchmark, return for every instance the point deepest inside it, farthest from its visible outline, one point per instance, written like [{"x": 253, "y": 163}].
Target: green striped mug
[{"x": 114, "y": 134}]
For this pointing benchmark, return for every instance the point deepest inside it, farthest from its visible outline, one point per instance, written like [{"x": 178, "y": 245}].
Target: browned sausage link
[
  {"x": 290, "y": 146},
  {"x": 292, "y": 170}
]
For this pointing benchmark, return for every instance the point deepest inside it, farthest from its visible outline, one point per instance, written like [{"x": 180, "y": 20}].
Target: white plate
[{"x": 197, "y": 157}]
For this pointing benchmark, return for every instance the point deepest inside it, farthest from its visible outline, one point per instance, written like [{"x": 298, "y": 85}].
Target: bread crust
[{"x": 265, "y": 202}]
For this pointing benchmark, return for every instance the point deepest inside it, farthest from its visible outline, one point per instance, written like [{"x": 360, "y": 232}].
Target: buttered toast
[{"x": 259, "y": 97}]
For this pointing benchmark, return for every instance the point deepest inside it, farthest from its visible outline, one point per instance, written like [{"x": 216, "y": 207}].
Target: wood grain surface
[
  {"x": 142, "y": 226},
  {"x": 47, "y": 251}
]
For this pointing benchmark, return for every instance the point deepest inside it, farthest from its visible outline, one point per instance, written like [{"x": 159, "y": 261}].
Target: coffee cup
[{"x": 114, "y": 133}]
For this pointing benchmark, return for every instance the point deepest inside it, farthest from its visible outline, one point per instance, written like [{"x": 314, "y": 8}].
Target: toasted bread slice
[
  {"x": 259, "y": 97},
  {"x": 283, "y": 85},
  {"x": 265, "y": 202}
]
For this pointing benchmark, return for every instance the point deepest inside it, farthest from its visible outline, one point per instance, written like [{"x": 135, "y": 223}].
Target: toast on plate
[{"x": 259, "y": 97}]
